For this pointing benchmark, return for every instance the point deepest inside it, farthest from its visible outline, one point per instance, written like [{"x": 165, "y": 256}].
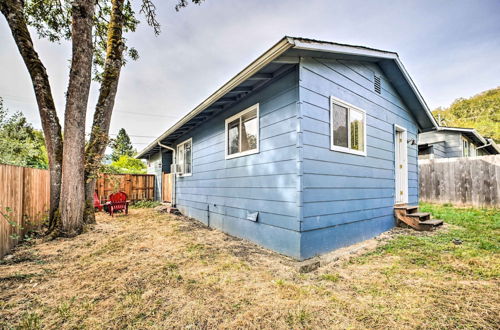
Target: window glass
[
  {"x": 184, "y": 157},
  {"x": 242, "y": 132},
  {"x": 249, "y": 131},
  {"x": 340, "y": 126},
  {"x": 348, "y": 128},
  {"x": 180, "y": 156},
  {"x": 356, "y": 120},
  {"x": 465, "y": 148},
  {"x": 187, "y": 157},
  {"x": 233, "y": 137}
]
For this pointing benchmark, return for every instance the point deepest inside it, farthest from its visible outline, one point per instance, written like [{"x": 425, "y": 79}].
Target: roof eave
[
  {"x": 466, "y": 130},
  {"x": 275, "y": 51}
]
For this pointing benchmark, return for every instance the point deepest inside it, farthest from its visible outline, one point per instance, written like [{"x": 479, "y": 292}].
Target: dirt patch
[{"x": 151, "y": 270}]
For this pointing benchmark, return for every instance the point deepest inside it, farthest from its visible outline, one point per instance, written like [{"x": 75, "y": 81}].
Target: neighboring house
[
  {"x": 306, "y": 150},
  {"x": 447, "y": 142}
]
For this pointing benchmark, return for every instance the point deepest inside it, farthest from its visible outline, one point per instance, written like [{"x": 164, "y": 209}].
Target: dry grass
[{"x": 151, "y": 270}]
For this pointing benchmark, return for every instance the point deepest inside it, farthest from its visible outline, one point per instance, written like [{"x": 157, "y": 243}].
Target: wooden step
[
  {"x": 433, "y": 222},
  {"x": 408, "y": 208},
  {"x": 420, "y": 221},
  {"x": 420, "y": 215},
  {"x": 411, "y": 209}
]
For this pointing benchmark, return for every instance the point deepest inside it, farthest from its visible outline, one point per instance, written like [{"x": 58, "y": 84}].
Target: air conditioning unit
[{"x": 176, "y": 168}]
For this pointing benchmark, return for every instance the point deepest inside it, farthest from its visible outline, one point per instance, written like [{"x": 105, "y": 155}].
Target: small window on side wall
[
  {"x": 347, "y": 127},
  {"x": 185, "y": 158},
  {"x": 242, "y": 133},
  {"x": 468, "y": 148}
]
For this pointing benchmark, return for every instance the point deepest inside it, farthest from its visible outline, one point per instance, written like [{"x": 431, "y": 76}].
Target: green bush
[{"x": 145, "y": 204}]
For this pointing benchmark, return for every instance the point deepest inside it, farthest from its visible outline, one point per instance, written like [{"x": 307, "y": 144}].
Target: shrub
[{"x": 144, "y": 204}]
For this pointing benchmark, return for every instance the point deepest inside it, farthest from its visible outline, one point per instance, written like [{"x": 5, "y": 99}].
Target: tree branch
[{"x": 13, "y": 10}]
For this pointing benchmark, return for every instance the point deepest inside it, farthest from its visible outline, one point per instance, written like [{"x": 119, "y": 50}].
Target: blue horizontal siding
[
  {"x": 320, "y": 241},
  {"x": 350, "y": 216},
  {"x": 223, "y": 191},
  {"x": 273, "y": 237},
  {"x": 310, "y": 199},
  {"x": 341, "y": 189}
]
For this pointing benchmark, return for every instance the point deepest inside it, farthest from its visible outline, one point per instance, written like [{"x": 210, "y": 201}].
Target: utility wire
[{"x": 20, "y": 99}]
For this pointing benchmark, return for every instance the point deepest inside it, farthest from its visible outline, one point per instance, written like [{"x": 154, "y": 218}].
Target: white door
[{"x": 401, "y": 162}]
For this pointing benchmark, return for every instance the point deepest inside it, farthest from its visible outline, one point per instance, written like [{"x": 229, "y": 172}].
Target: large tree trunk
[
  {"x": 13, "y": 12},
  {"x": 73, "y": 185},
  {"x": 104, "y": 108}
]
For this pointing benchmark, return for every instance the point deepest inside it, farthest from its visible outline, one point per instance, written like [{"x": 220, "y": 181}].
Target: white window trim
[
  {"x": 190, "y": 140},
  {"x": 239, "y": 115},
  {"x": 349, "y": 107}
]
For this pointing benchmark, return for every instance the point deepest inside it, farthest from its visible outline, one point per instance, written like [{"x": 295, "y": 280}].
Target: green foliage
[
  {"x": 52, "y": 20},
  {"x": 127, "y": 164},
  {"x": 330, "y": 277},
  {"x": 469, "y": 248},
  {"x": 20, "y": 143},
  {"x": 16, "y": 227},
  {"x": 481, "y": 112},
  {"x": 121, "y": 146},
  {"x": 145, "y": 204}
]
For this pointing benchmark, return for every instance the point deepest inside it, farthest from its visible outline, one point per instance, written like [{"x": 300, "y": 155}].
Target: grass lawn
[{"x": 150, "y": 270}]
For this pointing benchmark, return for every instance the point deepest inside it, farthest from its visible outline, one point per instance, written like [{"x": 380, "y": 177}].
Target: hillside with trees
[{"x": 481, "y": 111}]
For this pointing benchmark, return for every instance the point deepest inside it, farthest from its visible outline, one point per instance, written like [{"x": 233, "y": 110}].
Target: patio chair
[{"x": 117, "y": 203}]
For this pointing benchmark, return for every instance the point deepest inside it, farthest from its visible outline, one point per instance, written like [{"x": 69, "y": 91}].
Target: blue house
[{"x": 307, "y": 149}]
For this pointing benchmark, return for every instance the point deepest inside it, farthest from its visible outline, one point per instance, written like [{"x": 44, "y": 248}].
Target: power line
[
  {"x": 139, "y": 136},
  {"x": 146, "y": 114},
  {"x": 21, "y": 99}
]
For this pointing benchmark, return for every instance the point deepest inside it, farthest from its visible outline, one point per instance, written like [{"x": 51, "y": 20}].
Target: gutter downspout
[
  {"x": 486, "y": 145},
  {"x": 173, "y": 161}
]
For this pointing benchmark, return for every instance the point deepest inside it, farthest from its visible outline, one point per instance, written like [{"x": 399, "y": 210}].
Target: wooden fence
[
  {"x": 136, "y": 186},
  {"x": 468, "y": 181},
  {"x": 25, "y": 197},
  {"x": 24, "y": 202}
]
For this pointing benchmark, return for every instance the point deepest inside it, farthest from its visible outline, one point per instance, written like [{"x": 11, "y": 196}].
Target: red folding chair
[
  {"x": 97, "y": 202},
  {"x": 117, "y": 203}
]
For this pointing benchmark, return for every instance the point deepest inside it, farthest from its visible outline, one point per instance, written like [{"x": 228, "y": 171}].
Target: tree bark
[
  {"x": 14, "y": 14},
  {"x": 104, "y": 107},
  {"x": 73, "y": 186}
]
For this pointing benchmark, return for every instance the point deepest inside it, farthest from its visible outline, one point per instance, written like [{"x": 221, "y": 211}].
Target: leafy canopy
[
  {"x": 121, "y": 146},
  {"x": 481, "y": 112},
  {"x": 126, "y": 164},
  {"x": 20, "y": 143}
]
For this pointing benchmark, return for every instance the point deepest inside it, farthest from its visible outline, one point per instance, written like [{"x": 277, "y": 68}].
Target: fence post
[{"x": 128, "y": 185}]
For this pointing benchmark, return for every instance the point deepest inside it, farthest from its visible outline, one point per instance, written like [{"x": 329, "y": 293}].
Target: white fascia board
[{"x": 341, "y": 49}]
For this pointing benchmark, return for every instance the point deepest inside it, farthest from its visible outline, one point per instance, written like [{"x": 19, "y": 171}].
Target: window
[
  {"x": 242, "y": 133},
  {"x": 185, "y": 158},
  {"x": 348, "y": 127},
  {"x": 468, "y": 148}
]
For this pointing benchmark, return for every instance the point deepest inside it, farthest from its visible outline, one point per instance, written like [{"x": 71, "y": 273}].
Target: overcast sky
[{"x": 450, "y": 48}]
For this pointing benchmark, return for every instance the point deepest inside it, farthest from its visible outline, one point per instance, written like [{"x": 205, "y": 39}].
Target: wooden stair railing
[{"x": 420, "y": 221}]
